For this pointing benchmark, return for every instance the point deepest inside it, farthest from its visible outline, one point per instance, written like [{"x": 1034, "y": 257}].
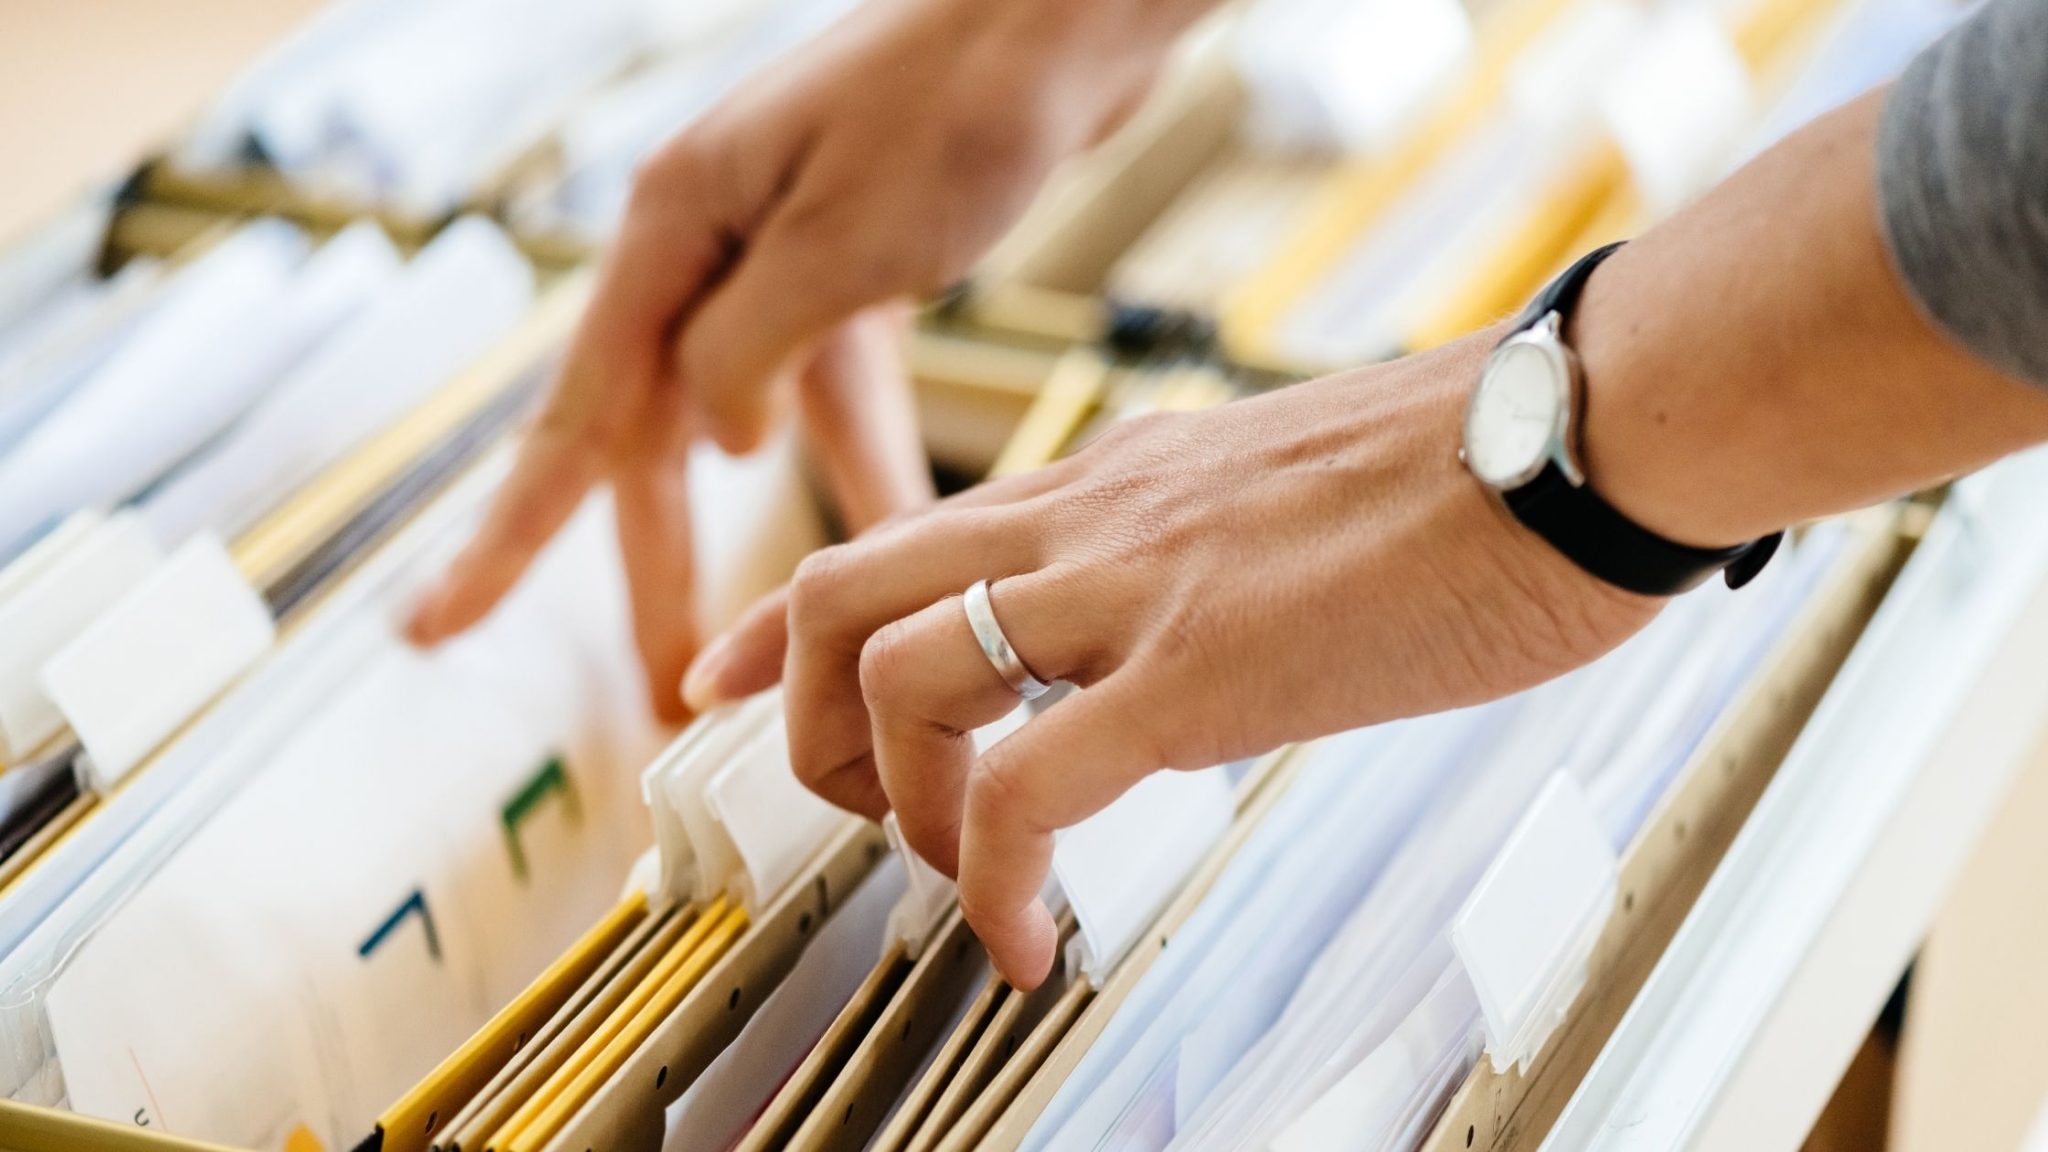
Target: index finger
[
  {"x": 548, "y": 480},
  {"x": 668, "y": 248}
]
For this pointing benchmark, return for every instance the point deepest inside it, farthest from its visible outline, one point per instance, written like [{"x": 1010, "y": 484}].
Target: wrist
[
  {"x": 1659, "y": 439},
  {"x": 1539, "y": 601}
]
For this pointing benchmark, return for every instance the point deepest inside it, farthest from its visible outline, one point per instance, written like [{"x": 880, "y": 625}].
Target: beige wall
[
  {"x": 88, "y": 86},
  {"x": 1971, "y": 1072}
]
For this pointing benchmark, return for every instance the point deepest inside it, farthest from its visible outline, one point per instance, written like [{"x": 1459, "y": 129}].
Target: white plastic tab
[
  {"x": 927, "y": 894},
  {"x": 675, "y": 864},
  {"x": 47, "y": 597},
  {"x": 1677, "y": 105},
  {"x": 730, "y": 817},
  {"x": 157, "y": 656},
  {"x": 1120, "y": 866},
  {"x": 698, "y": 859},
  {"x": 1525, "y": 933},
  {"x": 644, "y": 879},
  {"x": 773, "y": 822}
]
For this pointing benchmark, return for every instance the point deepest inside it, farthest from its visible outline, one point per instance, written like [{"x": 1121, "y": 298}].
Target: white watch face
[{"x": 1514, "y": 415}]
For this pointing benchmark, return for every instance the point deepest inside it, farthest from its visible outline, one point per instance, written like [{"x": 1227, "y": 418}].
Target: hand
[
  {"x": 1217, "y": 584},
  {"x": 876, "y": 164}
]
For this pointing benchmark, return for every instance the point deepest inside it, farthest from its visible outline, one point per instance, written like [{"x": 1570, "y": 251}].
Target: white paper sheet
[
  {"x": 417, "y": 103},
  {"x": 462, "y": 293},
  {"x": 381, "y": 888},
  {"x": 1346, "y": 75},
  {"x": 1119, "y": 867},
  {"x": 1232, "y": 964},
  {"x": 275, "y": 105},
  {"x": 56, "y": 256},
  {"x": 774, "y": 822},
  {"x": 716, "y": 1110},
  {"x": 191, "y": 366},
  {"x": 55, "y": 351}
]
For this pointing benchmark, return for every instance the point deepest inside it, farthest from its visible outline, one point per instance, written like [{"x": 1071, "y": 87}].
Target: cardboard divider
[
  {"x": 626, "y": 1113},
  {"x": 881, "y": 1064},
  {"x": 568, "y": 1026}
]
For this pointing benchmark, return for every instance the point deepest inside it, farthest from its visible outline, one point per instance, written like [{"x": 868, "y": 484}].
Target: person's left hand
[{"x": 1217, "y": 584}]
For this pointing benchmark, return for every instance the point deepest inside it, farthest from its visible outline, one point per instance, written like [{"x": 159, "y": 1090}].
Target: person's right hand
[{"x": 876, "y": 163}]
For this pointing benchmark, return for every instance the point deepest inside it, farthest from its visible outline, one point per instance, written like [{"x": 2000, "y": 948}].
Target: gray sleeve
[{"x": 1962, "y": 178}]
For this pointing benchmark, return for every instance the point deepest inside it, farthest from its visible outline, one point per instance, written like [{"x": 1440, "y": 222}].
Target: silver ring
[{"x": 981, "y": 616}]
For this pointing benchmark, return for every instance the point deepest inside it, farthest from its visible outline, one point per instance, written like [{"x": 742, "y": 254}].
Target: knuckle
[
  {"x": 818, "y": 589},
  {"x": 934, "y": 838},
  {"x": 877, "y": 257},
  {"x": 804, "y": 761},
  {"x": 886, "y": 662},
  {"x": 978, "y": 147},
  {"x": 986, "y": 154},
  {"x": 670, "y": 172},
  {"x": 1002, "y": 791},
  {"x": 1081, "y": 652},
  {"x": 807, "y": 217},
  {"x": 974, "y": 906},
  {"x": 811, "y": 772}
]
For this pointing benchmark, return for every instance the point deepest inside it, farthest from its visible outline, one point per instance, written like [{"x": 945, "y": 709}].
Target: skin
[
  {"x": 761, "y": 254},
  {"x": 1220, "y": 583}
]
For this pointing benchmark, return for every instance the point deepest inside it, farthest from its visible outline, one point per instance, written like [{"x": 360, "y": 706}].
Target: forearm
[{"x": 1756, "y": 361}]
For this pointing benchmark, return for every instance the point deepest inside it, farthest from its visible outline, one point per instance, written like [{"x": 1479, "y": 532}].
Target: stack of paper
[
  {"x": 166, "y": 406},
  {"x": 372, "y": 848},
  {"x": 1316, "y": 961}
]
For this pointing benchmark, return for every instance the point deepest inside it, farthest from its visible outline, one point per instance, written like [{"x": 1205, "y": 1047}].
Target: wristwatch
[{"x": 1521, "y": 441}]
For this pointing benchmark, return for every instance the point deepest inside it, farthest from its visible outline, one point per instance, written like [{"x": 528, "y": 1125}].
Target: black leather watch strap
[
  {"x": 1562, "y": 293},
  {"x": 1609, "y": 545},
  {"x": 1594, "y": 534}
]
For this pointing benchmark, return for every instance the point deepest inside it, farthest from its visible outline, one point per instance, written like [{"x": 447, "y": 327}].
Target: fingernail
[{"x": 700, "y": 684}]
